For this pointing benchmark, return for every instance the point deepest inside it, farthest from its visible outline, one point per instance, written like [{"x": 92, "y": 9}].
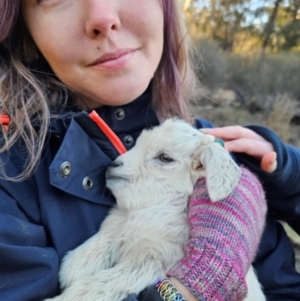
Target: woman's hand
[
  {"x": 242, "y": 140},
  {"x": 213, "y": 268}
]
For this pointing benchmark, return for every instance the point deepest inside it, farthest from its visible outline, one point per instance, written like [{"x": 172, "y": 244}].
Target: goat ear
[{"x": 222, "y": 173}]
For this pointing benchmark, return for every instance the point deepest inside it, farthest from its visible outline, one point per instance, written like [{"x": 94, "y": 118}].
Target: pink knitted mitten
[{"x": 224, "y": 237}]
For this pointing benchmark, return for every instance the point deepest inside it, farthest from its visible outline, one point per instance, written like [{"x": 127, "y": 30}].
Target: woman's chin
[{"x": 113, "y": 98}]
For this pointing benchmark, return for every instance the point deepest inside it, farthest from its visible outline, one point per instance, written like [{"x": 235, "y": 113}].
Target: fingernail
[{"x": 273, "y": 166}]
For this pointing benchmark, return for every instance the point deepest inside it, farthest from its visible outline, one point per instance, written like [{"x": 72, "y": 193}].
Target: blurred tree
[
  {"x": 288, "y": 26},
  {"x": 269, "y": 28},
  {"x": 245, "y": 25},
  {"x": 221, "y": 20}
]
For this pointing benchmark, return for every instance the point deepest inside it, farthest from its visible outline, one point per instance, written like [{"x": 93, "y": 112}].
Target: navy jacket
[{"x": 65, "y": 201}]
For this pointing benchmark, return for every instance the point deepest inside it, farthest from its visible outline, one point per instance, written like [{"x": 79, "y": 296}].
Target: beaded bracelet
[{"x": 168, "y": 291}]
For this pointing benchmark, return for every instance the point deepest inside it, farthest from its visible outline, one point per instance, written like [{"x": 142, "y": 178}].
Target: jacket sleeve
[
  {"x": 28, "y": 267},
  {"x": 282, "y": 187}
]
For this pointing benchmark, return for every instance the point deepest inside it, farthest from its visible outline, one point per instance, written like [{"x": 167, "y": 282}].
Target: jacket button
[
  {"x": 87, "y": 183},
  {"x": 65, "y": 169},
  {"x": 128, "y": 140},
  {"x": 120, "y": 114}
]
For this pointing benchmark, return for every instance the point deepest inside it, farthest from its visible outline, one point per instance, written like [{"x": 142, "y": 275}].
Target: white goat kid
[{"x": 143, "y": 236}]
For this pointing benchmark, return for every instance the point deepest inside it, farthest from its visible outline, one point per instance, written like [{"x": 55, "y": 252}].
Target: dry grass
[
  {"x": 280, "y": 116},
  {"x": 297, "y": 251},
  {"x": 276, "y": 114},
  {"x": 254, "y": 76},
  {"x": 295, "y": 238}
]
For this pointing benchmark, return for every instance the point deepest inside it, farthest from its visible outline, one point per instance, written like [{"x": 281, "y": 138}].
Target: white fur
[{"x": 143, "y": 236}]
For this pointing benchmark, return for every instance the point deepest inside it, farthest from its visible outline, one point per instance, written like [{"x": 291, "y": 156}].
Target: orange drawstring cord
[
  {"x": 111, "y": 136},
  {"x": 5, "y": 120}
]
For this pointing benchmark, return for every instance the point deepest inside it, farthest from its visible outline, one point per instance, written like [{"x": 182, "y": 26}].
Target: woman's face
[{"x": 105, "y": 50}]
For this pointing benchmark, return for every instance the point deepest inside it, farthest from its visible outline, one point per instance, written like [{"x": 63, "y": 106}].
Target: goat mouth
[{"x": 116, "y": 178}]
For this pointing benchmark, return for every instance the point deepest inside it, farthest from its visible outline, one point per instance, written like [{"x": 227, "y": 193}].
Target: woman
[{"x": 128, "y": 61}]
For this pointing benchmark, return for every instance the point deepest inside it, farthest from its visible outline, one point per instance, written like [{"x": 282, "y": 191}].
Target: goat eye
[{"x": 165, "y": 158}]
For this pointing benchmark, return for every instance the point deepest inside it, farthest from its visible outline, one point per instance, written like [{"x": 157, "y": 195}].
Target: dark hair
[
  {"x": 175, "y": 81},
  {"x": 26, "y": 93},
  {"x": 9, "y": 11}
]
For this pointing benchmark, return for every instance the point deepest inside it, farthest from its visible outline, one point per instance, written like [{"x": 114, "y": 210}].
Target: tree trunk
[{"x": 270, "y": 25}]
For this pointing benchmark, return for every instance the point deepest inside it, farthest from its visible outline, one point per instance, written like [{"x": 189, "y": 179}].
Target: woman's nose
[{"x": 102, "y": 17}]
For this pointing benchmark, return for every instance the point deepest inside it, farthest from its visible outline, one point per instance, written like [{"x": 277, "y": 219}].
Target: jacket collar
[{"x": 88, "y": 151}]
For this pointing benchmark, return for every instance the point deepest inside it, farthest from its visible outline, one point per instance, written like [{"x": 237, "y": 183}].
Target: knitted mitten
[{"x": 224, "y": 237}]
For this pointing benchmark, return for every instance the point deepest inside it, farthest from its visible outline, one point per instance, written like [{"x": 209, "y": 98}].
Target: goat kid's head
[{"x": 166, "y": 163}]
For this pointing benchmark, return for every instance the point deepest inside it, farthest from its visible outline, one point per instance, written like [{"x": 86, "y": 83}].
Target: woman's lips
[{"x": 114, "y": 60}]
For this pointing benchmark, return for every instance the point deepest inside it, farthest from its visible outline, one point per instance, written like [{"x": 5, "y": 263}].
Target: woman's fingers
[
  {"x": 258, "y": 149},
  {"x": 251, "y": 147},
  {"x": 232, "y": 133},
  {"x": 242, "y": 140},
  {"x": 269, "y": 162}
]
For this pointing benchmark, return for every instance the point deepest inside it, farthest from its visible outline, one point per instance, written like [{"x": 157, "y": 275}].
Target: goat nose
[{"x": 116, "y": 163}]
